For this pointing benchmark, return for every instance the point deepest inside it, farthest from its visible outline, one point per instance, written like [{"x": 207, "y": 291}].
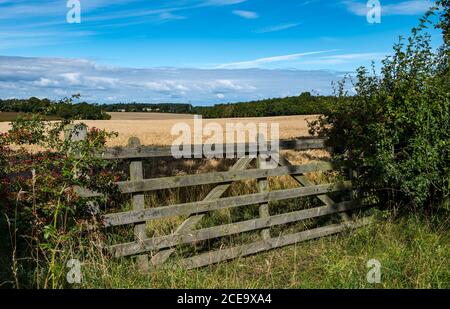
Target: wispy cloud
[
  {"x": 308, "y": 2},
  {"x": 223, "y": 2},
  {"x": 258, "y": 62},
  {"x": 33, "y": 18},
  {"x": 278, "y": 28},
  {"x": 170, "y": 16},
  {"x": 354, "y": 56},
  {"x": 56, "y": 8},
  {"x": 410, "y": 7},
  {"x": 340, "y": 59},
  {"x": 246, "y": 14}
]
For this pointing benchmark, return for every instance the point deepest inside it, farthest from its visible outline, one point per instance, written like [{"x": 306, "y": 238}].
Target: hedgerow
[{"x": 396, "y": 129}]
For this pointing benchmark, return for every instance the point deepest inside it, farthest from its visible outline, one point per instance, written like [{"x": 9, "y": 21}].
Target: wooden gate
[{"x": 155, "y": 251}]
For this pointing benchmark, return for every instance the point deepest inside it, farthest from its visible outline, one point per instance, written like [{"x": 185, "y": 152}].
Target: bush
[
  {"x": 42, "y": 220},
  {"x": 397, "y": 126}
]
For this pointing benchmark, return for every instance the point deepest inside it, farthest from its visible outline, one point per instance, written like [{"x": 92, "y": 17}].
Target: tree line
[
  {"x": 304, "y": 104},
  {"x": 64, "y": 109},
  {"x": 177, "y": 108}
]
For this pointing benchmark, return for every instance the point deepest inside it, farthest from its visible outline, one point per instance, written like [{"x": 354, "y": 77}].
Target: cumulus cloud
[{"x": 56, "y": 77}]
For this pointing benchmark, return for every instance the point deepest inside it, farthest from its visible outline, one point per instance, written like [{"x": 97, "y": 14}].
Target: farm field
[{"x": 154, "y": 128}]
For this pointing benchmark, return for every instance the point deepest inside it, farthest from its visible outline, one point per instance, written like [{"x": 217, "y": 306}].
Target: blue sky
[{"x": 199, "y": 51}]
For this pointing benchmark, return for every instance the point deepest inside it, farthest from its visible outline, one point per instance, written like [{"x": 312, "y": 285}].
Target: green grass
[{"x": 413, "y": 251}]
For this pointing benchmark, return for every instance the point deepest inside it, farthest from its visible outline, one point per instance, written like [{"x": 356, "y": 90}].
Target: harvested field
[{"x": 154, "y": 129}]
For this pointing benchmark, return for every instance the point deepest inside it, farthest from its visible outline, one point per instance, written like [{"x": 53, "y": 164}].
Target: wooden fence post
[
  {"x": 263, "y": 186},
  {"x": 138, "y": 202},
  {"x": 75, "y": 133},
  {"x": 352, "y": 175}
]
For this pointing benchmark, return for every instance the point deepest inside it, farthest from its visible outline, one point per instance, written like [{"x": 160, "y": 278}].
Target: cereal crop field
[{"x": 155, "y": 128}]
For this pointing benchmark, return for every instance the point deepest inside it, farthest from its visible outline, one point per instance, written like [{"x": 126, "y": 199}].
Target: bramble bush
[
  {"x": 43, "y": 221},
  {"x": 396, "y": 129}
]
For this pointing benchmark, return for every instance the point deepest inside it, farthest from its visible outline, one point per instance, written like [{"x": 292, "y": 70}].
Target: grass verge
[{"x": 413, "y": 252}]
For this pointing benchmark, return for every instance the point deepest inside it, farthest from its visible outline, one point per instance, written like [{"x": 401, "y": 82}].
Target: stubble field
[{"x": 155, "y": 128}]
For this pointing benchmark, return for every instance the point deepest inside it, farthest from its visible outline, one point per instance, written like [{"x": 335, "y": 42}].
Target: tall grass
[{"x": 413, "y": 252}]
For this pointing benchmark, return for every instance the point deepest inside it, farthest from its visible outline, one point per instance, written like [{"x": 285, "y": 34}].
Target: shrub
[
  {"x": 42, "y": 218},
  {"x": 397, "y": 126}
]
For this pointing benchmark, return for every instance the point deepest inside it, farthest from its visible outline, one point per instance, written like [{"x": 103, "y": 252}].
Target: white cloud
[
  {"x": 170, "y": 16},
  {"x": 223, "y": 2},
  {"x": 226, "y": 85},
  {"x": 246, "y": 14},
  {"x": 166, "y": 86},
  {"x": 72, "y": 77},
  {"x": 93, "y": 11},
  {"x": 46, "y": 82},
  {"x": 278, "y": 28},
  {"x": 356, "y": 56},
  {"x": 57, "y": 77},
  {"x": 258, "y": 62},
  {"x": 350, "y": 58},
  {"x": 410, "y": 7},
  {"x": 308, "y": 2}
]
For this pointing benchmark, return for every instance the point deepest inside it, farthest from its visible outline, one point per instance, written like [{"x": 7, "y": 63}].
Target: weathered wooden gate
[{"x": 162, "y": 247}]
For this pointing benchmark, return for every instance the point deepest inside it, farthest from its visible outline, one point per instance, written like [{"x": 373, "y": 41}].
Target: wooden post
[
  {"x": 78, "y": 133},
  {"x": 263, "y": 186},
  {"x": 75, "y": 133},
  {"x": 352, "y": 175},
  {"x": 138, "y": 202}
]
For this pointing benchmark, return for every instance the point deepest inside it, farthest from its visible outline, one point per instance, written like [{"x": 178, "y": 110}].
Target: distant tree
[
  {"x": 64, "y": 108},
  {"x": 304, "y": 104}
]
